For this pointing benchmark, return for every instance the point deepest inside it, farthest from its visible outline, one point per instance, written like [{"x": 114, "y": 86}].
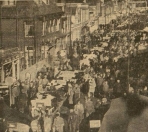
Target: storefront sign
[{"x": 95, "y": 123}]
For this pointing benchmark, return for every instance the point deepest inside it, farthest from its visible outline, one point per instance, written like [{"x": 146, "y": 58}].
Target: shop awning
[
  {"x": 119, "y": 26},
  {"x": 54, "y": 35}
]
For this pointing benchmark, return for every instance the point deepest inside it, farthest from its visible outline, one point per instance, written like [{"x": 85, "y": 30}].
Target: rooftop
[{"x": 28, "y": 9}]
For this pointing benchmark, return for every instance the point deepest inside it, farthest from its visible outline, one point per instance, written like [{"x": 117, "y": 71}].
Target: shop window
[
  {"x": 8, "y": 2},
  {"x": 7, "y": 70},
  {"x": 29, "y": 29}
]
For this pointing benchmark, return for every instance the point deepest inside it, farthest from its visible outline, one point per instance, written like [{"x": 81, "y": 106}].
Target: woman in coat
[
  {"x": 89, "y": 107},
  {"x": 79, "y": 110}
]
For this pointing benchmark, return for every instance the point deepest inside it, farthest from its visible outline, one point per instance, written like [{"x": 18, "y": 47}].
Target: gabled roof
[{"x": 29, "y": 9}]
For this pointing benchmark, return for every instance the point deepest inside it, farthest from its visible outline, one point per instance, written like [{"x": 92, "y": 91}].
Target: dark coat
[{"x": 126, "y": 115}]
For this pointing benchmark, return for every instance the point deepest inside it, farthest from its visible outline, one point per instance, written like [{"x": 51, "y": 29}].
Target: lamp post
[{"x": 128, "y": 63}]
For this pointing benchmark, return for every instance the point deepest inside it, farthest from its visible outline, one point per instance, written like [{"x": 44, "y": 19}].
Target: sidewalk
[{"x": 33, "y": 70}]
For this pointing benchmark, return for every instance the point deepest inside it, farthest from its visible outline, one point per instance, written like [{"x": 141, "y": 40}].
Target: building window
[
  {"x": 29, "y": 29},
  {"x": 44, "y": 28},
  {"x": 8, "y": 2}
]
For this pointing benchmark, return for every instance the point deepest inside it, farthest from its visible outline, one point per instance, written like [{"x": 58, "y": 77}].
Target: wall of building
[{"x": 8, "y": 33}]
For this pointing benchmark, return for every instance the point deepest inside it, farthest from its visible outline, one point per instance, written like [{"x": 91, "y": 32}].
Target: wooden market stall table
[
  {"x": 18, "y": 127},
  {"x": 66, "y": 75},
  {"x": 42, "y": 101}
]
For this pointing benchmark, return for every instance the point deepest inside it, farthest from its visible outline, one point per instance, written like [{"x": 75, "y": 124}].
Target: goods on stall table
[
  {"x": 77, "y": 71},
  {"x": 73, "y": 80},
  {"x": 61, "y": 82},
  {"x": 142, "y": 47},
  {"x": 89, "y": 56},
  {"x": 18, "y": 127},
  {"x": 45, "y": 102},
  {"x": 106, "y": 38},
  {"x": 66, "y": 75},
  {"x": 54, "y": 82},
  {"x": 58, "y": 87},
  {"x": 100, "y": 49},
  {"x": 104, "y": 44}
]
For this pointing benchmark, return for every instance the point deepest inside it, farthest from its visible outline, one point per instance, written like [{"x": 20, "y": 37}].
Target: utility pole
[
  {"x": 17, "y": 45},
  {"x": 70, "y": 26},
  {"x": 35, "y": 48},
  {"x": 128, "y": 64},
  {"x": 34, "y": 23},
  {"x": 1, "y": 38}
]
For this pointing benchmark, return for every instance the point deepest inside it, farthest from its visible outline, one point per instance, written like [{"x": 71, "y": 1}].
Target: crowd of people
[{"x": 110, "y": 64}]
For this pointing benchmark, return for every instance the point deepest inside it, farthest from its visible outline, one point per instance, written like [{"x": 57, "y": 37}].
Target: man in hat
[
  {"x": 45, "y": 81},
  {"x": 76, "y": 93},
  {"x": 15, "y": 92},
  {"x": 117, "y": 90},
  {"x": 58, "y": 123},
  {"x": 22, "y": 100},
  {"x": 89, "y": 107},
  {"x": 48, "y": 120},
  {"x": 73, "y": 121},
  {"x": 79, "y": 110}
]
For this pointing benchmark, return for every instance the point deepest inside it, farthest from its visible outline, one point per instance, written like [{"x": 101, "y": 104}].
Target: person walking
[
  {"x": 89, "y": 107},
  {"x": 79, "y": 110},
  {"x": 73, "y": 121},
  {"x": 58, "y": 123}
]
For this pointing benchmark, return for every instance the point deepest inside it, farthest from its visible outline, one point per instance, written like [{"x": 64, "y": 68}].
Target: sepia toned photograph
[{"x": 73, "y": 66}]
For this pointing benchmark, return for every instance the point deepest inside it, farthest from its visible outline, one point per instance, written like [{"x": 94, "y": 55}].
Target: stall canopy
[{"x": 145, "y": 29}]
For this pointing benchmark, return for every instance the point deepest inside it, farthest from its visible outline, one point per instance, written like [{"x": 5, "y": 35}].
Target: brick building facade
[{"x": 27, "y": 29}]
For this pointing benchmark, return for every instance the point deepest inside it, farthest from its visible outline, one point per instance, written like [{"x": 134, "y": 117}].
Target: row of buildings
[{"x": 31, "y": 30}]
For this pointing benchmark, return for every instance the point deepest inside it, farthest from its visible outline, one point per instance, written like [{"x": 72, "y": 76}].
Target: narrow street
[{"x": 73, "y": 66}]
